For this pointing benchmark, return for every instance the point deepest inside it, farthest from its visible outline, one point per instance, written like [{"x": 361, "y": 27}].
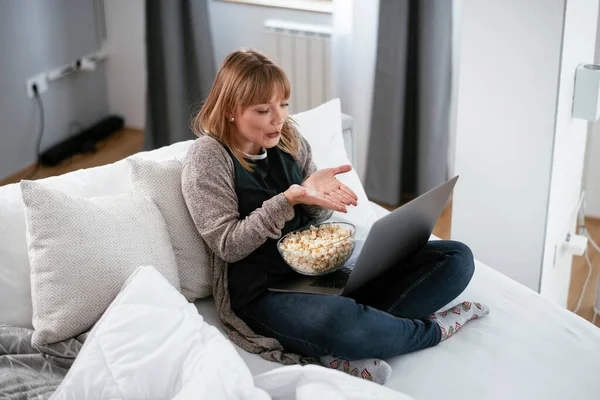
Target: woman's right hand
[{"x": 297, "y": 194}]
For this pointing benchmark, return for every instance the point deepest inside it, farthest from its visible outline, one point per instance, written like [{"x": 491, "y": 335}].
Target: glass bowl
[{"x": 316, "y": 249}]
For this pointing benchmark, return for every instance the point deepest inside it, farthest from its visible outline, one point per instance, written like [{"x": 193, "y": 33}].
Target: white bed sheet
[{"x": 527, "y": 348}]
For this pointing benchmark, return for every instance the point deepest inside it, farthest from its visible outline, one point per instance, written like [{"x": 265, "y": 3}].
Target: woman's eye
[
  {"x": 262, "y": 111},
  {"x": 285, "y": 105}
]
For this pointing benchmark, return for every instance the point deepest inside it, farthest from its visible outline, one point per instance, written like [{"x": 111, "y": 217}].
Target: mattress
[{"x": 527, "y": 348}]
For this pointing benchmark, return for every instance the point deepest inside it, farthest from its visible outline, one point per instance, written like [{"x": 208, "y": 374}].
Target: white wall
[
  {"x": 518, "y": 151},
  {"x": 507, "y": 95},
  {"x": 570, "y": 137},
  {"x": 456, "y": 36},
  {"x": 235, "y": 25},
  {"x": 126, "y": 63},
  {"x": 592, "y": 170}
]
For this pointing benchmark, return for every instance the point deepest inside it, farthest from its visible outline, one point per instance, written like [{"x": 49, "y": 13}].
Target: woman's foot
[
  {"x": 451, "y": 320},
  {"x": 371, "y": 369}
]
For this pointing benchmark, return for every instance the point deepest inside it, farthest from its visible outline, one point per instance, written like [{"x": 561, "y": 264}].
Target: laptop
[{"x": 392, "y": 240}]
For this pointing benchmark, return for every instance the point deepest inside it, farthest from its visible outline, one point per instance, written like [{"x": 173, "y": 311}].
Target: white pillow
[
  {"x": 161, "y": 182},
  {"x": 15, "y": 286},
  {"x": 322, "y": 128},
  {"x": 82, "y": 251},
  {"x": 152, "y": 344}
]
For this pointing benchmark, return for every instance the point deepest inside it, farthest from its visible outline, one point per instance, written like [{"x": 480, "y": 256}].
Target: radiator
[{"x": 304, "y": 53}]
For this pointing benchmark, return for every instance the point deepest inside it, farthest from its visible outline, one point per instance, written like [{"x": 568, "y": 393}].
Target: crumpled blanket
[{"x": 26, "y": 373}]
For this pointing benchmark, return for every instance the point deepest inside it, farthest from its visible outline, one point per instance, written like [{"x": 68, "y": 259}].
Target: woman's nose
[{"x": 278, "y": 117}]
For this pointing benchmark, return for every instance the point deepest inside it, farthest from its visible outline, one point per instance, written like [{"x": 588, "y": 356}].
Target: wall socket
[
  {"x": 40, "y": 81},
  {"x": 562, "y": 248}
]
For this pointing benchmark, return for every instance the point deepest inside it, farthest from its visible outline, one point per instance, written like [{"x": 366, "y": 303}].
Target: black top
[{"x": 250, "y": 278}]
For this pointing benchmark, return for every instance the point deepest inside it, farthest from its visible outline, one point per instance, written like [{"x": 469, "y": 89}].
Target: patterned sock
[
  {"x": 451, "y": 320},
  {"x": 371, "y": 369}
]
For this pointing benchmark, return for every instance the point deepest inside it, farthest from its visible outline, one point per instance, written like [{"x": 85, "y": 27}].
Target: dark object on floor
[{"x": 83, "y": 142}]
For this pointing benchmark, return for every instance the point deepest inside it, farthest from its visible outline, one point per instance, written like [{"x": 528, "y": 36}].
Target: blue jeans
[{"x": 385, "y": 318}]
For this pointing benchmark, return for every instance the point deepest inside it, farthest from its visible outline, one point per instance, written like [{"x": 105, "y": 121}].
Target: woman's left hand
[{"x": 324, "y": 181}]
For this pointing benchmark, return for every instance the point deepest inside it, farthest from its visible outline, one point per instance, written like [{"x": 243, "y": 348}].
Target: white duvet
[{"x": 152, "y": 344}]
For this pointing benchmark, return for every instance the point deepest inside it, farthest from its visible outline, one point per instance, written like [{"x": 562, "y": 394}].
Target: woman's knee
[{"x": 463, "y": 262}]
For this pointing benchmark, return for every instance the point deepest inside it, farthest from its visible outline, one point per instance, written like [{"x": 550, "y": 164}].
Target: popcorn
[{"x": 318, "y": 249}]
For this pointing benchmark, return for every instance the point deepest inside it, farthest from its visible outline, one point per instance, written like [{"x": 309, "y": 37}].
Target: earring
[{"x": 232, "y": 119}]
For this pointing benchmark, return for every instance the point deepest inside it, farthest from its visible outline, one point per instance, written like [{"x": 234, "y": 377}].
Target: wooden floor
[
  {"x": 120, "y": 145},
  {"x": 130, "y": 141},
  {"x": 580, "y": 272}
]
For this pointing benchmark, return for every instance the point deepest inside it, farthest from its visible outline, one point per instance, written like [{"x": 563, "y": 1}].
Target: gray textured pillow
[
  {"x": 83, "y": 250},
  {"x": 161, "y": 182}
]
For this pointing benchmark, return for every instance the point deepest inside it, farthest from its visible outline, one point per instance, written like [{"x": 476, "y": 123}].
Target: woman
[{"x": 248, "y": 180}]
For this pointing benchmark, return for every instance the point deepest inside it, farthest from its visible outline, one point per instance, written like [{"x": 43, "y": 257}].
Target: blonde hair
[{"x": 246, "y": 78}]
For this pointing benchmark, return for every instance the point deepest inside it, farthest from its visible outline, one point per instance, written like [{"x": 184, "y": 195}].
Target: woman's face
[{"x": 259, "y": 125}]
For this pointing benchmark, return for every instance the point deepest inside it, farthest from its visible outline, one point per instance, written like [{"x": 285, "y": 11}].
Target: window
[{"x": 321, "y": 6}]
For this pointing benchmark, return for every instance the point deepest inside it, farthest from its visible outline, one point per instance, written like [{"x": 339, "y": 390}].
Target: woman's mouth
[{"x": 272, "y": 135}]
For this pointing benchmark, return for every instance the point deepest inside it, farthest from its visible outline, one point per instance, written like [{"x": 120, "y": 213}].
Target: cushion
[
  {"x": 15, "y": 287},
  {"x": 161, "y": 182},
  {"x": 81, "y": 253},
  {"x": 322, "y": 128},
  {"x": 180, "y": 354}
]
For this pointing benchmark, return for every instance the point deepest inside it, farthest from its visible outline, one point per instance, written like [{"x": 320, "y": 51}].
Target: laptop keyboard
[{"x": 335, "y": 280}]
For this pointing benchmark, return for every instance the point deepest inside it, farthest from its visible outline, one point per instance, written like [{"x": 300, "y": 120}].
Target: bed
[{"x": 527, "y": 348}]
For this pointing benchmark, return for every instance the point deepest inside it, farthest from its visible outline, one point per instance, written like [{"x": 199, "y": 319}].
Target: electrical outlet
[
  {"x": 40, "y": 81},
  {"x": 561, "y": 248}
]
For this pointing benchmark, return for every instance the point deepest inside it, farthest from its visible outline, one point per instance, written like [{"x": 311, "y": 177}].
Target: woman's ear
[{"x": 230, "y": 114}]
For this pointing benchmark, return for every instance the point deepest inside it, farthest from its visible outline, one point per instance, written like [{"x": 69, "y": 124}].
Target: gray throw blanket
[{"x": 26, "y": 373}]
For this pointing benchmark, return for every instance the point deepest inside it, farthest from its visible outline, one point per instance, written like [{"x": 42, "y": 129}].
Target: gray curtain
[
  {"x": 411, "y": 101},
  {"x": 181, "y": 67}
]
